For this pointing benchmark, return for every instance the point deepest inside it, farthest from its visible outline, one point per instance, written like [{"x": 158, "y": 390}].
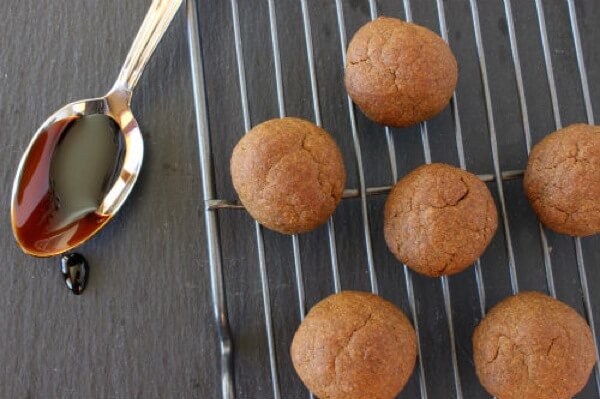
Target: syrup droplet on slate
[{"x": 75, "y": 270}]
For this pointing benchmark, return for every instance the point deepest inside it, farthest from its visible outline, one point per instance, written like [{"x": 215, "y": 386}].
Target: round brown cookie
[
  {"x": 354, "y": 345},
  {"x": 531, "y": 346},
  {"x": 439, "y": 219},
  {"x": 289, "y": 174},
  {"x": 562, "y": 180},
  {"x": 399, "y": 73}
]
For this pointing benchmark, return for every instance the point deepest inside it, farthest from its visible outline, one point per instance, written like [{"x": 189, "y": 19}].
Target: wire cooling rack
[{"x": 455, "y": 378}]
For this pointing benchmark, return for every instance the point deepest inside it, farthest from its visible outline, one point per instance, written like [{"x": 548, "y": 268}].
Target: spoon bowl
[
  {"x": 35, "y": 205},
  {"x": 115, "y": 106}
]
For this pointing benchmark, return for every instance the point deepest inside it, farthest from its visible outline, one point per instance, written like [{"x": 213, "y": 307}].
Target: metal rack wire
[{"x": 214, "y": 205}]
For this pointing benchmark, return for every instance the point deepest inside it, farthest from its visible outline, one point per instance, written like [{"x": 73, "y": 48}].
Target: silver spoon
[{"x": 115, "y": 105}]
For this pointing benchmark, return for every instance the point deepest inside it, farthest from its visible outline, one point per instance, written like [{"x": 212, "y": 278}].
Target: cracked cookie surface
[
  {"x": 354, "y": 345},
  {"x": 562, "y": 180},
  {"x": 289, "y": 174},
  {"x": 531, "y": 346},
  {"x": 439, "y": 219},
  {"x": 399, "y": 73}
]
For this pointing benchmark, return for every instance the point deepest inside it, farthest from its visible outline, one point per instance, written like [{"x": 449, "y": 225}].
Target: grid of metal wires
[{"x": 213, "y": 205}]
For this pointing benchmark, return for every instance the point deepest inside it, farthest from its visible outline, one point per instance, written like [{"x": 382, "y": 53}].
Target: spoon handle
[{"x": 155, "y": 24}]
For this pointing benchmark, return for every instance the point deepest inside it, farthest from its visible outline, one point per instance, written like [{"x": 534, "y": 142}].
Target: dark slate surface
[{"x": 144, "y": 327}]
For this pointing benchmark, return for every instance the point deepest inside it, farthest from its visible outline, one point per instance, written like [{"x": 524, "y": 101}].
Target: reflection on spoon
[{"x": 84, "y": 160}]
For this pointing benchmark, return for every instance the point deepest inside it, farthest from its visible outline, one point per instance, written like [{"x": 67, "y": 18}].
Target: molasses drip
[
  {"x": 69, "y": 169},
  {"x": 76, "y": 271}
]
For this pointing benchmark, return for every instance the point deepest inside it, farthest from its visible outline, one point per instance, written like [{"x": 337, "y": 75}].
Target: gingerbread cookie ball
[
  {"x": 399, "y": 73},
  {"x": 531, "y": 346},
  {"x": 289, "y": 174},
  {"x": 562, "y": 180},
  {"x": 439, "y": 219},
  {"x": 354, "y": 345}
]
